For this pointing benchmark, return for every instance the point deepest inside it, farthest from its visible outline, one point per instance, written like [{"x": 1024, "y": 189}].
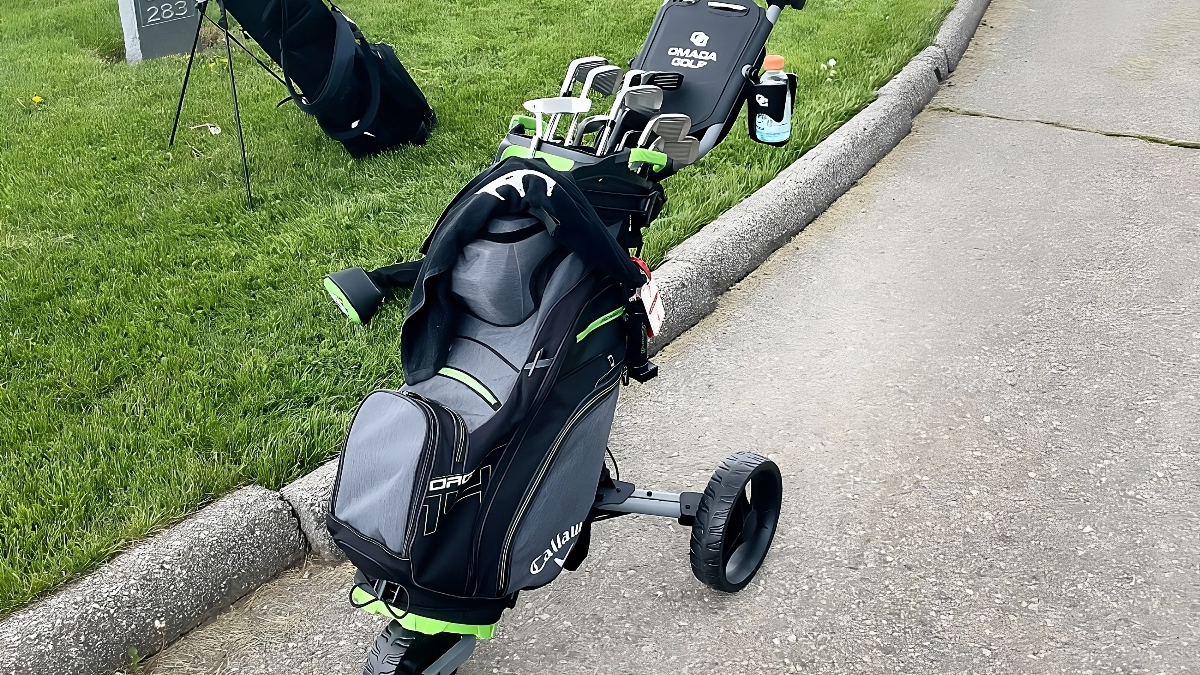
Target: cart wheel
[
  {"x": 736, "y": 521},
  {"x": 399, "y": 651}
]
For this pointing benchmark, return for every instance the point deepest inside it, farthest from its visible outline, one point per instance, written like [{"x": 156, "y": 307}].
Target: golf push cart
[{"x": 520, "y": 275}]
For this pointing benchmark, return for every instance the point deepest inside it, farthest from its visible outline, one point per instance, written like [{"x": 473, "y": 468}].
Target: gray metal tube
[
  {"x": 650, "y": 503},
  {"x": 453, "y": 658}
]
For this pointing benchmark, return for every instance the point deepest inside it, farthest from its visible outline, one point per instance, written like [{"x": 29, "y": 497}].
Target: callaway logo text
[{"x": 559, "y": 543}]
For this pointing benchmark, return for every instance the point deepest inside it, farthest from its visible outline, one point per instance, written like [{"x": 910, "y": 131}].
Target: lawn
[{"x": 161, "y": 345}]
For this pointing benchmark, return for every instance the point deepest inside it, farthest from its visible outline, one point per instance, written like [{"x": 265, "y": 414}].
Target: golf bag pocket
[
  {"x": 769, "y": 111},
  {"x": 550, "y": 517},
  {"x": 402, "y": 453}
]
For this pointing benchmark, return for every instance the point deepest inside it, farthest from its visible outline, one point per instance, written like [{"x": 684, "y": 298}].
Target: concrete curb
[
  {"x": 193, "y": 570},
  {"x": 156, "y": 592},
  {"x": 959, "y": 27},
  {"x": 309, "y": 498}
]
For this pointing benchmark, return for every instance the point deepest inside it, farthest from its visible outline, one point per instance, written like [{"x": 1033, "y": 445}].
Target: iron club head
[
  {"x": 681, "y": 152},
  {"x": 668, "y": 126},
  {"x": 643, "y": 99},
  {"x": 600, "y": 78},
  {"x": 578, "y": 70}
]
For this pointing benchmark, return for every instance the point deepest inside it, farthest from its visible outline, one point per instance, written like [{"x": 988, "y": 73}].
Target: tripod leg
[
  {"x": 237, "y": 116},
  {"x": 201, "y": 6}
]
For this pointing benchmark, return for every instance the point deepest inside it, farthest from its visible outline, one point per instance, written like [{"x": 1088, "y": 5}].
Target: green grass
[{"x": 160, "y": 345}]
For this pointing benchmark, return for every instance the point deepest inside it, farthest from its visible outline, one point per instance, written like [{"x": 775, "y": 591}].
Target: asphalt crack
[{"x": 1113, "y": 134}]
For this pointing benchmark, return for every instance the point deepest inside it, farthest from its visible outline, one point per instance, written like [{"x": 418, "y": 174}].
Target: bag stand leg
[
  {"x": 201, "y": 6},
  {"x": 222, "y": 23}
]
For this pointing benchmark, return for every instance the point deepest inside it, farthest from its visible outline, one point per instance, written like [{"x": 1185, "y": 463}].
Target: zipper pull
[{"x": 537, "y": 362}]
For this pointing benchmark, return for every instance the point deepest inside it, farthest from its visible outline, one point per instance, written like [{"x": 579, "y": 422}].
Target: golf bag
[
  {"x": 359, "y": 92},
  {"x": 475, "y": 480}
]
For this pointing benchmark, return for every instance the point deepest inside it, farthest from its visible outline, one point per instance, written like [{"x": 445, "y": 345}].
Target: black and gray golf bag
[
  {"x": 360, "y": 93},
  {"x": 475, "y": 480}
]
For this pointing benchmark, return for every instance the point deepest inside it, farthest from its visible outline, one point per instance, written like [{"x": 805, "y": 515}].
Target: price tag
[{"x": 655, "y": 311}]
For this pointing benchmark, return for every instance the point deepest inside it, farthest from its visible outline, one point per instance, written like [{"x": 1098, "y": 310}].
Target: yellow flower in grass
[{"x": 37, "y": 100}]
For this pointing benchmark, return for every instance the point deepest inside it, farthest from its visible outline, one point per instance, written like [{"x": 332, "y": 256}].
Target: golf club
[
  {"x": 669, "y": 127},
  {"x": 603, "y": 79},
  {"x": 577, "y": 71},
  {"x": 644, "y": 99},
  {"x": 682, "y": 152},
  {"x": 591, "y": 125}
]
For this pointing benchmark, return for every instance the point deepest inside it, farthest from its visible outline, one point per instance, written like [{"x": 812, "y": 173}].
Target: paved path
[{"x": 979, "y": 373}]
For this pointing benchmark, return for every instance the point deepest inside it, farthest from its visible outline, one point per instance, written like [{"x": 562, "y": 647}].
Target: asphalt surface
[{"x": 978, "y": 371}]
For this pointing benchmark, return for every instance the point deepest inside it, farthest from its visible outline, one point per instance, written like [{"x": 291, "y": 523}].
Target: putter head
[
  {"x": 681, "y": 152},
  {"x": 667, "y": 81},
  {"x": 668, "y": 126},
  {"x": 578, "y": 70}
]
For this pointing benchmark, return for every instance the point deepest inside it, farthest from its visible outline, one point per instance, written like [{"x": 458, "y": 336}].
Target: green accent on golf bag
[
  {"x": 557, "y": 163},
  {"x": 524, "y": 121},
  {"x": 474, "y": 384},
  {"x": 611, "y": 316},
  {"x": 420, "y": 624},
  {"x": 342, "y": 301},
  {"x": 657, "y": 160}
]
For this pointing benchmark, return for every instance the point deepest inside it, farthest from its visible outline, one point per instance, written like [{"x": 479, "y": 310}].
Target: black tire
[
  {"x": 399, "y": 651},
  {"x": 388, "y": 650},
  {"x": 735, "y": 525}
]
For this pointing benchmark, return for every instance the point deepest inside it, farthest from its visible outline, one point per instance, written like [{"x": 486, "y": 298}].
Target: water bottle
[{"x": 766, "y": 129}]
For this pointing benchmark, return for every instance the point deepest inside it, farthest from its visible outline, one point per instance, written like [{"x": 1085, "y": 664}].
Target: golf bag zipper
[
  {"x": 502, "y": 576},
  {"x": 539, "y": 397},
  {"x": 426, "y": 465}
]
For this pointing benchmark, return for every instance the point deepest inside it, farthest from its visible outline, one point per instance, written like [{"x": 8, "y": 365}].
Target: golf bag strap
[
  {"x": 371, "y": 61},
  {"x": 579, "y": 551},
  {"x": 344, "y": 47},
  {"x": 400, "y": 275}
]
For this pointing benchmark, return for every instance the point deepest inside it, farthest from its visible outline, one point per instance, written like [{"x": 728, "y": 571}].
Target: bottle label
[{"x": 771, "y": 107}]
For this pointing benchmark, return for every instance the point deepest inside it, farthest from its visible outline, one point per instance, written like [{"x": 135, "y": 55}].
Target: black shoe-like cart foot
[
  {"x": 399, "y": 651},
  {"x": 355, "y": 294}
]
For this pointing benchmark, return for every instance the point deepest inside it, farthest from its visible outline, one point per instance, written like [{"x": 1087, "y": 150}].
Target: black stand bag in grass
[
  {"x": 358, "y": 91},
  {"x": 483, "y": 475}
]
